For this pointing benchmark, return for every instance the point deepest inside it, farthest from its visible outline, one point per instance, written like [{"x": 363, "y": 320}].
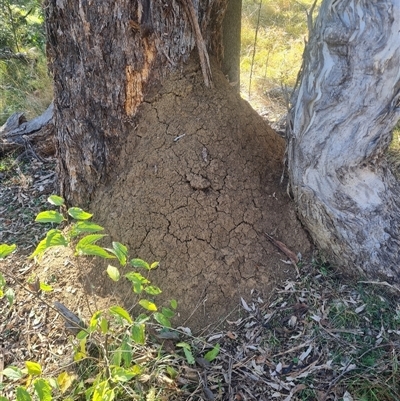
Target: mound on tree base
[{"x": 197, "y": 187}]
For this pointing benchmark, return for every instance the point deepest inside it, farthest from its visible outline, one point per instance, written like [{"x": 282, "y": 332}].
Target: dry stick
[
  {"x": 254, "y": 47},
  {"x": 201, "y": 46}
]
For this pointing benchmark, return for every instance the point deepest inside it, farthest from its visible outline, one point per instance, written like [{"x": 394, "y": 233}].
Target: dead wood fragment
[{"x": 36, "y": 135}]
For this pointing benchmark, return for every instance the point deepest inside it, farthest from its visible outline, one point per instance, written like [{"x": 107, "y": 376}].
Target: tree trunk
[
  {"x": 340, "y": 126},
  {"x": 103, "y": 56}
]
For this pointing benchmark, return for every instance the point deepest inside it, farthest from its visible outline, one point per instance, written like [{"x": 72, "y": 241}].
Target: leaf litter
[{"x": 315, "y": 338}]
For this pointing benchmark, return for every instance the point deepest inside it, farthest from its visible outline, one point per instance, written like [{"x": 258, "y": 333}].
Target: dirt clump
[{"x": 197, "y": 187}]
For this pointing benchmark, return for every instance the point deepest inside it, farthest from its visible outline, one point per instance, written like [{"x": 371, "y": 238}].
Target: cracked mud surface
[{"x": 196, "y": 188}]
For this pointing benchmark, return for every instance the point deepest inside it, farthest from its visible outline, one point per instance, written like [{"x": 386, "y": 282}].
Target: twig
[{"x": 201, "y": 46}]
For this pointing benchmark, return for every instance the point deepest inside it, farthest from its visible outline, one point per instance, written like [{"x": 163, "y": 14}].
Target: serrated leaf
[
  {"x": 140, "y": 263},
  {"x": 146, "y": 304},
  {"x": 212, "y": 354},
  {"x": 49, "y": 216},
  {"x": 34, "y": 368},
  {"x": 138, "y": 333},
  {"x": 84, "y": 227},
  {"x": 55, "y": 200},
  {"x": 45, "y": 287},
  {"x": 152, "y": 290},
  {"x": 23, "y": 395},
  {"x": 65, "y": 380},
  {"x": 162, "y": 319},
  {"x": 118, "y": 310},
  {"x": 173, "y": 303},
  {"x": 5, "y": 250},
  {"x": 12, "y": 372},
  {"x": 79, "y": 214},
  {"x": 154, "y": 265},
  {"x": 43, "y": 389},
  {"x": 113, "y": 273},
  {"x": 120, "y": 251},
  {"x": 94, "y": 250}
]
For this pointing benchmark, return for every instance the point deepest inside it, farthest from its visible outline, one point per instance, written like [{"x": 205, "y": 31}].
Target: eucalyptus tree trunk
[
  {"x": 104, "y": 55},
  {"x": 340, "y": 126}
]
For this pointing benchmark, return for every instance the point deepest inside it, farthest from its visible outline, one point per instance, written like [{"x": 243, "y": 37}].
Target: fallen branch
[{"x": 37, "y": 134}]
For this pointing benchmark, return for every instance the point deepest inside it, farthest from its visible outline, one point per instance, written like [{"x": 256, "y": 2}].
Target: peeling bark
[
  {"x": 340, "y": 126},
  {"x": 103, "y": 56}
]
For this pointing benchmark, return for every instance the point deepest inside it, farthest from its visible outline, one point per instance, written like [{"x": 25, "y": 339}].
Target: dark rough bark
[
  {"x": 231, "y": 36},
  {"x": 341, "y": 123},
  {"x": 102, "y": 56}
]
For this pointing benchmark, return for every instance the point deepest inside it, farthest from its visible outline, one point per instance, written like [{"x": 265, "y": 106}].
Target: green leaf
[
  {"x": 43, "y": 389},
  {"x": 89, "y": 239},
  {"x": 23, "y": 395},
  {"x": 79, "y": 214},
  {"x": 10, "y": 295},
  {"x": 163, "y": 320},
  {"x": 53, "y": 238},
  {"x": 152, "y": 290},
  {"x": 154, "y": 265},
  {"x": 140, "y": 263},
  {"x": 172, "y": 372},
  {"x": 49, "y": 216},
  {"x": 104, "y": 325},
  {"x": 5, "y": 250},
  {"x": 124, "y": 375},
  {"x": 120, "y": 251},
  {"x": 211, "y": 355},
  {"x": 64, "y": 381},
  {"x": 82, "y": 335},
  {"x": 94, "y": 250},
  {"x": 138, "y": 333},
  {"x": 146, "y": 304},
  {"x": 189, "y": 356},
  {"x": 34, "y": 368},
  {"x": 126, "y": 350},
  {"x": 45, "y": 287},
  {"x": 137, "y": 280},
  {"x": 94, "y": 320},
  {"x": 84, "y": 227},
  {"x": 168, "y": 312},
  {"x": 117, "y": 310},
  {"x": 55, "y": 200},
  {"x": 113, "y": 272},
  {"x": 103, "y": 392},
  {"x": 117, "y": 357},
  {"x": 12, "y": 372},
  {"x": 173, "y": 304}
]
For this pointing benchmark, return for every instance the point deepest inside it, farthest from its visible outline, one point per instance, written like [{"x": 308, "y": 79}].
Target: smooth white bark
[{"x": 340, "y": 125}]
